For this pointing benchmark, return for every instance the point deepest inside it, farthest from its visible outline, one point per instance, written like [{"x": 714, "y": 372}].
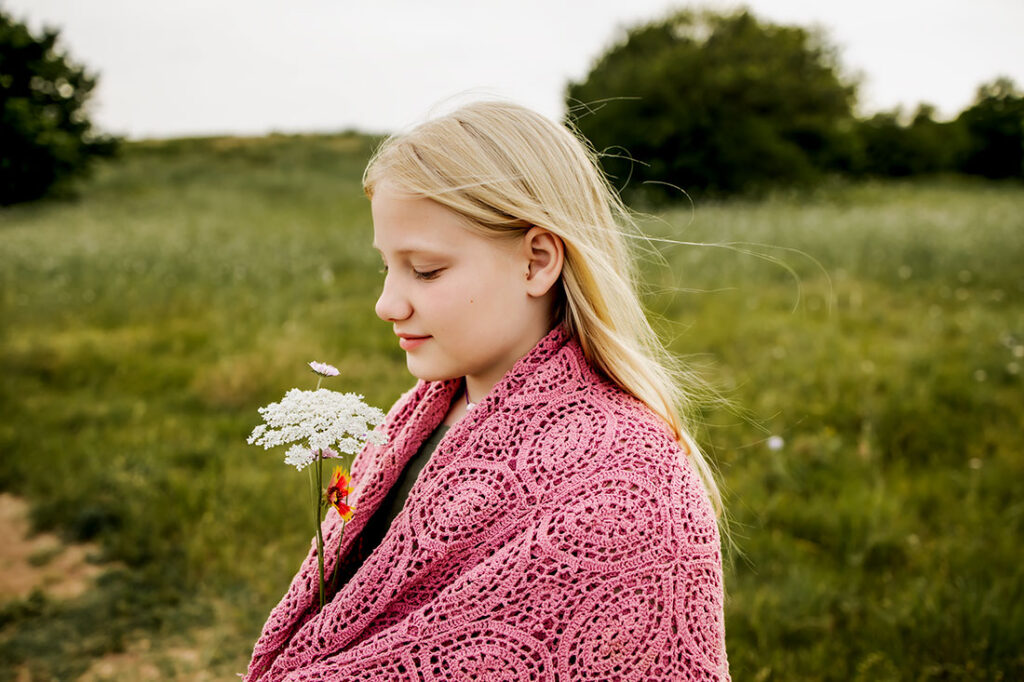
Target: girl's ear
[{"x": 545, "y": 254}]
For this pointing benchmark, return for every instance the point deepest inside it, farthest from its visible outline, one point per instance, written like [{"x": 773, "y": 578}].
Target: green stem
[
  {"x": 318, "y": 497},
  {"x": 312, "y": 491},
  {"x": 337, "y": 559},
  {"x": 319, "y": 531}
]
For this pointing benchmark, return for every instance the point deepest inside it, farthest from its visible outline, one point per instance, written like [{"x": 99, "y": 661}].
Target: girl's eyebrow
[{"x": 413, "y": 251}]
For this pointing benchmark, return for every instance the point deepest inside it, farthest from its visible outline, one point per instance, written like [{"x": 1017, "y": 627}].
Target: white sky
[{"x": 179, "y": 67}]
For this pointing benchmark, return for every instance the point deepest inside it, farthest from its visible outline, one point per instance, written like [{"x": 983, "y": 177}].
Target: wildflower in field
[
  {"x": 324, "y": 419},
  {"x": 301, "y": 457},
  {"x": 320, "y": 424},
  {"x": 337, "y": 493},
  {"x": 323, "y": 369},
  {"x": 775, "y": 443}
]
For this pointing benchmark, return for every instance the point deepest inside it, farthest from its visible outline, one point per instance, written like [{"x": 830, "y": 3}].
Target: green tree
[
  {"x": 716, "y": 102},
  {"x": 937, "y": 146},
  {"x": 46, "y": 137},
  {"x": 891, "y": 148},
  {"x": 995, "y": 131},
  {"x": 883, "y": 143}
]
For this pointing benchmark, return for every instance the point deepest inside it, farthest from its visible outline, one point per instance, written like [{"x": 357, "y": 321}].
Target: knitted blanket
[{"x": 558, "y": 532}]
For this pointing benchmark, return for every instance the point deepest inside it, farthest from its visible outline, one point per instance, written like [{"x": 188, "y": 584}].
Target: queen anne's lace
[
  {"x": 328, "y": 421},
  {"x": 557, "y": 533}
]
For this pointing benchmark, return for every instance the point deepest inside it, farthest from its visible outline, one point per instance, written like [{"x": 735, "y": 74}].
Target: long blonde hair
[{"x": 506, "y": 168}]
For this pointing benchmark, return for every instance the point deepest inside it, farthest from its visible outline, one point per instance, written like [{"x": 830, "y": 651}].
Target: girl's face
[{"x": 460, "y": 303}]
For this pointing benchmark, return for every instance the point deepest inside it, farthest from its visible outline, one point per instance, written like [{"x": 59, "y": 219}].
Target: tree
[
  {"x": 925, "y": 145},
  {"x": 720, "y": 102},
  {"x": 936, "y": 145},
  {"x": 995, "y": 131},
  {"x": 46, "y": 137}
]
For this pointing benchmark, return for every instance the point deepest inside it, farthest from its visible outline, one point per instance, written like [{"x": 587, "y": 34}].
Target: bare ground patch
[
  {"x": 39, "y": 561},
  {"x": 145, "y": 662},
  {"x": 42, "y": 561}
]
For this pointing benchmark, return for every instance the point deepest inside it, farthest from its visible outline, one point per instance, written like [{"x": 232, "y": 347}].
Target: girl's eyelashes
[
  {"x": 427, "y": 275},
  {"x": 418, "y": 274}
]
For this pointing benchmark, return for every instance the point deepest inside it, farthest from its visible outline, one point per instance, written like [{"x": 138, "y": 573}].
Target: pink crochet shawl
[{"x": 558, "y": 532}]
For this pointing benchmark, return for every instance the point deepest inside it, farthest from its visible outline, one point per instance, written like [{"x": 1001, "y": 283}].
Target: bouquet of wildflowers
[{"x": 321, "y": 424}]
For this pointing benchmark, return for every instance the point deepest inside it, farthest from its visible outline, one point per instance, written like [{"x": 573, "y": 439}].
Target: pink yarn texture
[{"x": 558, "y": 532}]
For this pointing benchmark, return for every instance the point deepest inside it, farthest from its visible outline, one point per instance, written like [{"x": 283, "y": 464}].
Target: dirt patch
[
  {"x": 143, "y": 662},
  {"x": 60, "y": 570},
  {"x": 41, "y": 561}
]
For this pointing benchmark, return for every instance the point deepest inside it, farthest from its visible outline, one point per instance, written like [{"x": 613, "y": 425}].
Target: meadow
[{"x": 866, "y": 341}]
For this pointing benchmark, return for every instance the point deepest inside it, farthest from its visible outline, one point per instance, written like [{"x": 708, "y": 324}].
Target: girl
[{"x": 538, "y": 511}]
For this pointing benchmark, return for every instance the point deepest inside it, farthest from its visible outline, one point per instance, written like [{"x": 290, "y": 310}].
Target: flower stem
[
  {"x": 319, "y": 531},
  {"x": 337, "y": 558}
]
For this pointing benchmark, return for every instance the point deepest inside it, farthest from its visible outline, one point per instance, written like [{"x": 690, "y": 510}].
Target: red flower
[{"x": 338, "y": 491}]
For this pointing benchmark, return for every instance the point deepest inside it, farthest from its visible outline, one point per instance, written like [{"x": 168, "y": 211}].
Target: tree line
[
  {"x": 712, "y": 103},
  {"x": 719, "y": 103}
]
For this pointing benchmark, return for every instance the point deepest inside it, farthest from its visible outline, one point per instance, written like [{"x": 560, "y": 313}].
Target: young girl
[{"x": 538, "y": 511}]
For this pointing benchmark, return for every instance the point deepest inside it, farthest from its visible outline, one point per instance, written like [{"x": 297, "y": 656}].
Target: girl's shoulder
[
  {"x": 570, "y": 407},
  {"x": 599, "y": 452},
  {"x": 569, "y": 388}
]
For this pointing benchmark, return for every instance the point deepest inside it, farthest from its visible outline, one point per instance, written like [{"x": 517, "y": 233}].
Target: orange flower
[{"x": 337, "y": 493}]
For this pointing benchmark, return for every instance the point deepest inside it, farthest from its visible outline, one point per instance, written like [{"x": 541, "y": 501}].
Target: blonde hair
[{"x": 506, "y": 168}]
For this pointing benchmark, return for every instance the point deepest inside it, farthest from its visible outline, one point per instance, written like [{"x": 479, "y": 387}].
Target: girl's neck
[
  {"x": 475, "y": 388},
  {"x": 460, "y": 406}
]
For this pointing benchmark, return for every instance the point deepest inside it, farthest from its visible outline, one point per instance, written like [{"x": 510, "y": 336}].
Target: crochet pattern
[{"x": 558, "y": 532}]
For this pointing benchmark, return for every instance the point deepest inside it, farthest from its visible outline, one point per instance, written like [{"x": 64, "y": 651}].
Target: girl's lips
[{"x": 411, "y": 342}]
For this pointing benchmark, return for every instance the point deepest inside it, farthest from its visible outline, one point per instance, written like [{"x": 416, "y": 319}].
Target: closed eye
[{"x": 427, "y": 275}]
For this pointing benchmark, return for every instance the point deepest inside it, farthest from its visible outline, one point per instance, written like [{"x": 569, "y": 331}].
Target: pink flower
[{"x": 323, "y": 369}]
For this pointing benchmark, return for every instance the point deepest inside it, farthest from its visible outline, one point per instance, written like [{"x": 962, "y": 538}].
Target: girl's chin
[{"x": 423, "y": 371}]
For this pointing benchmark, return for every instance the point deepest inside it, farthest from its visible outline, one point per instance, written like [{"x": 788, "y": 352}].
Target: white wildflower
[
  {"x": 775, "y": 443},
  {"x": 323, "y": 419},
  {"x": 299, "y": 457}
]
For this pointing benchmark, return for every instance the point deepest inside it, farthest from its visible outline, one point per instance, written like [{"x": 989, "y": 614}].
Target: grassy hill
[{"x": 878, "y": 330}]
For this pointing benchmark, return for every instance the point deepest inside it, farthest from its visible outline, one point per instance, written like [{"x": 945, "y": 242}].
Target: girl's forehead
[
  {"x": 420, "y": 230},
  {"x": 405, "y": 223},
  {"x": 391, "y": 206},
  {"x": 437, "y": 239}
]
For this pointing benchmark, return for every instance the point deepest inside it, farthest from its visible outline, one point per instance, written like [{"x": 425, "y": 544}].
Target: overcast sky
[{"x": 185, "y": 67}]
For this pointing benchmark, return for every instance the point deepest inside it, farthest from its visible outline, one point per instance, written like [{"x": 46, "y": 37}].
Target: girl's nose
[{"x": 392, "y": 305}]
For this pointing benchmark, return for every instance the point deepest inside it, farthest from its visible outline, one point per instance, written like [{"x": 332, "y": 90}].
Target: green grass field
[{"x": 877, "y": 329}]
